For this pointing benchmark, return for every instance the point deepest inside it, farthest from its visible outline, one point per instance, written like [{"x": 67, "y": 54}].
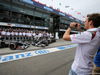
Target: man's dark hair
[{"x": 95, "y": 17}]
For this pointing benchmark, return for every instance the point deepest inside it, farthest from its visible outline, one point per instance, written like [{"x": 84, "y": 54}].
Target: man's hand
[
  {"x": 66, "y": 35},
  {"x": 73, "y": 24},
  {"x": 78, "y": 27}
]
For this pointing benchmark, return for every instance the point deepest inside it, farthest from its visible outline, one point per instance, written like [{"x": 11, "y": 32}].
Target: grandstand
[{"x": 32, "y": 15}]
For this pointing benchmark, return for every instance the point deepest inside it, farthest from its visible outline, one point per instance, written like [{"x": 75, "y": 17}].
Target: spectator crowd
[{"x": 21, "y": 34}]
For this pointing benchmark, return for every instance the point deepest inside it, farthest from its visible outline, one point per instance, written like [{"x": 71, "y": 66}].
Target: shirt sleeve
[{"x": 84, "y": 37}]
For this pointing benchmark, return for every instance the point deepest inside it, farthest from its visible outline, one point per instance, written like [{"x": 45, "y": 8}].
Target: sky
[{"x": 77, "y": 8}]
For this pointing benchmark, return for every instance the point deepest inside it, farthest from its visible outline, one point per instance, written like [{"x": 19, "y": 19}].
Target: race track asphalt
[{"x": 55, "y": 63}]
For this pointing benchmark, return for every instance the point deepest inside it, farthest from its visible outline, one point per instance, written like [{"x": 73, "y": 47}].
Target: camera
[{"x": 76, "y": 25}]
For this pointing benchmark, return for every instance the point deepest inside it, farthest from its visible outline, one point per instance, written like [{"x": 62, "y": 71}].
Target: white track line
[{"x": 16, "y": 56}]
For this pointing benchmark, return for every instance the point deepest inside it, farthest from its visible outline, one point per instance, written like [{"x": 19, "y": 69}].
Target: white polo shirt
[
  {"x": 3, "y": 33},
  {"x": 12, "y": 33},
  {"x": 33, "y": 34},
  {"x": 24, "y": 33},
  {"x": 8, "y": 33},
  {"x": 50, "y": 35},
  {"x": 29, "y": 34},
  {"x": 86, "y": 49},
  {"x": 16, "y": 33},
  {"x": 40, "y": 35},
  {"x": 20, "y": 34}
]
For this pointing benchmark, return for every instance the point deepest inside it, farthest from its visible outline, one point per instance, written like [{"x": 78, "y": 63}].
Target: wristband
[{"x": 71, "y": 27}]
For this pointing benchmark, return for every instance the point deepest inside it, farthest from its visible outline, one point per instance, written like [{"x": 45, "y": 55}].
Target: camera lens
[{"x": 76, "y": 25}]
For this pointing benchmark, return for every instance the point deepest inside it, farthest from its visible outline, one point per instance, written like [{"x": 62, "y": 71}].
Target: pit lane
[
  {"x": 56, "y": 63},
  {"x": 59, "y": 42}
]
